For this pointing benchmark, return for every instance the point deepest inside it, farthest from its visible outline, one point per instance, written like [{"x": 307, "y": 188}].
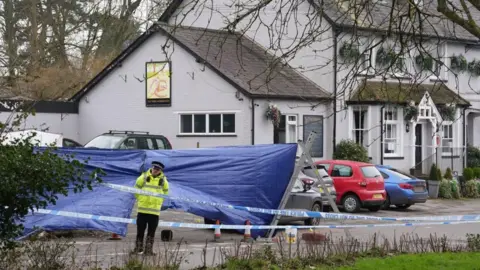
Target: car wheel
[
  {"x": 386, "y": 204},
  {"x": 375, "y": 208},
  {"x": 403, "y": 206},
  {"x": 351, "y": 203},
  {"x": 314, "y": 221}
]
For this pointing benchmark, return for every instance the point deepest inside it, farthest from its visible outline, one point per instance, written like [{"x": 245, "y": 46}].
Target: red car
[{"x": 358, "y": 184}]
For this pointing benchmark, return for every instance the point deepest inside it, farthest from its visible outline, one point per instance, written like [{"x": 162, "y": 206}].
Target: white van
[{"x": 40, "y": 137}]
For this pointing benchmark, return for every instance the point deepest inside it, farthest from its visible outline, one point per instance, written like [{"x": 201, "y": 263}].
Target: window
[
  {"x": 384, "y": 175},
  {"x": 440, "y": 57},
  {"x": 360, "y": 125},
  {"x": 70, "y": 143},
  {"x": 370, "y": 171},
  {"x": 160, "y": 144},
  {"x": 447, "y": 140},
  {"x": 342, "y": 171},
  {"x": 400, "y": 175},
  {"x": 314, "y": 123},
  {"x": 287, "y": 130},
  {"x": 367, "y": 62},
  {"x": 129, "y": 143},
  {"x": 104, "y": 141},
  {"x": 391, "y": 131},
  {"x": 207, "y": 123},
  {"x": 327, "y": 166},
  {"x": 145, "y": 143}
]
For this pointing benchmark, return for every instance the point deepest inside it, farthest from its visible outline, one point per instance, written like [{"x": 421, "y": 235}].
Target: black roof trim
[
  {"x": 42, "y": 106},
  {"x": 171, "y": 8}
]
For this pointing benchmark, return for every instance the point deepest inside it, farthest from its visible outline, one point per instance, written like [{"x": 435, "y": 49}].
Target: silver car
[{"x": 308, "y": 194}]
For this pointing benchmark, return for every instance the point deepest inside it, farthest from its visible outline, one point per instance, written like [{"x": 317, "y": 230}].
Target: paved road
[{"x": 194, "y": 242}]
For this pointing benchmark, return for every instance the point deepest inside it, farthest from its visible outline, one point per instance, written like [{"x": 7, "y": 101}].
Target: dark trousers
[{"x": 144, "y": 221}]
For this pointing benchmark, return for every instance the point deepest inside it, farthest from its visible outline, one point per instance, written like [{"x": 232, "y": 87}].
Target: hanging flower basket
[
  {"x": 448, "y": 112},
  {"x": 273, "y": 114},
  {"x": 410, "y": 111}
]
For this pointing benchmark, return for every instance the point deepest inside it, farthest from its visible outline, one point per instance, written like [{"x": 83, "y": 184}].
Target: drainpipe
[
  {"x": 253, "y": 121},
  {"x": 381, "y": 134},
  {"x": 464, "y": 156},
  {"x": 335, "y": 40}
]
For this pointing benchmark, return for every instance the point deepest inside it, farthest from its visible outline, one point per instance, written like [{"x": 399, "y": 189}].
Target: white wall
[
  {"x": 65, "y": 124},
  {"x": 264, "y": 129},
  {"x": 119, "y": 104}
]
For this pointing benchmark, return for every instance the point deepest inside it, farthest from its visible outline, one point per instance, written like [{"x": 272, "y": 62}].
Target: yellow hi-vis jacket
[{"x": 150, "y": 204}]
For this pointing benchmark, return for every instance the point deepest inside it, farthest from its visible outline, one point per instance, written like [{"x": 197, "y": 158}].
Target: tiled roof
[
  {"x": 246, "y": 63},
  {"x": 395, "y": 92},
  {"x": 237, "y": 59},
  {"x": 394, "y": 15}
]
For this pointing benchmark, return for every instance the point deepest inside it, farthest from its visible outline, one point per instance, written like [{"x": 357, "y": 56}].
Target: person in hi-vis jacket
[{"x": 149, "y": 207}]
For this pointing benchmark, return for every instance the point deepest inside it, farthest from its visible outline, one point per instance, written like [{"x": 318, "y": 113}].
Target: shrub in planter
[
  {"x": 433, "y": 173},
  {"x": 439, "y": 174},
  {"x": 448, "y": 174},
  {"x": 471, "y": 189},
  {"x": 350, "y": 150},
  {"x": 455, "y": 189},
  {"x": 468, "y": 174},
  {"x": 445, "y": 190},
  {"x": 478, "y": 186}
]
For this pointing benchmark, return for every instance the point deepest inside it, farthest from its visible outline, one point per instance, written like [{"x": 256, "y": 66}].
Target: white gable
[{"x": 427, "y": 109}]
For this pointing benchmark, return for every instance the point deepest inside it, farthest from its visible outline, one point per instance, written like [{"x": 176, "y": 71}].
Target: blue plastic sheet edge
[{"x": 257, "y": 175}]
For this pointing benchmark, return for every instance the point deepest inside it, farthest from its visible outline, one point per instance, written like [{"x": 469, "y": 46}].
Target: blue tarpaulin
[{"x": 254, "y": 176}]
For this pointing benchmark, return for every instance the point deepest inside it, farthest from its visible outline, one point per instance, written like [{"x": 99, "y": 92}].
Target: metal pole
[{"x": 296, "y": 171}]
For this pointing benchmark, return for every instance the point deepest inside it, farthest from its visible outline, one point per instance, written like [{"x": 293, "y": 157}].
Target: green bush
[
  {"x": 34, "y": 179},
  {"x": 476, "y": 172},
  {"x": 468, "y": 174},
  {"x": 350, "y": 150},
  {"x": 473, "y": 157},
  {"x": 439, "y": 174},
  {"x": 448, "y": 174},
  {"x": 471, "y": 189},
  {"x": 433, "y": 173},
  {"x": 455, "y": 189},
  {"x": 445, "y": 190}
]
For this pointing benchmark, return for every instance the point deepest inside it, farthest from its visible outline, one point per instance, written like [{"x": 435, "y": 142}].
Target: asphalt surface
[{"x": 189, "y": 245}]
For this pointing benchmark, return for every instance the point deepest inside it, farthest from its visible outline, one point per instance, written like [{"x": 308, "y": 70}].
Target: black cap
[{"x": 158, "y": 164}]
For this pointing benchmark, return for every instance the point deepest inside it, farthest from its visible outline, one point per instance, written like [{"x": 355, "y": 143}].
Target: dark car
[{"x": 118, "y": 139}]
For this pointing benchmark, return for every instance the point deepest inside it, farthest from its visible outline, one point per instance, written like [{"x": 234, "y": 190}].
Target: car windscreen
[
  {"x": 370, "y": 171},
  {"x": 104, "y": 141}
]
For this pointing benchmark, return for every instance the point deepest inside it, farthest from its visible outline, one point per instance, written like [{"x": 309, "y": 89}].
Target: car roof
[
  {"x": 346, "y": 162},
  {"x": 131, "y": 135}
]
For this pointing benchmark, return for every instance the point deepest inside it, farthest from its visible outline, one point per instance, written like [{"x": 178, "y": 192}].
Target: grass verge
[{"x": 427, "y": 261}]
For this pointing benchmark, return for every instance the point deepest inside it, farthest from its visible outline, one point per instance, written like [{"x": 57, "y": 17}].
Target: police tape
[
  {"x": 297, "y": 213},
  {"x": 165, "y": 224}
]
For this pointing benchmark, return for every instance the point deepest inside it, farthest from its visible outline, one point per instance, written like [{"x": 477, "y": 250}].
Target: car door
[{"x": 342, "y": 175}]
